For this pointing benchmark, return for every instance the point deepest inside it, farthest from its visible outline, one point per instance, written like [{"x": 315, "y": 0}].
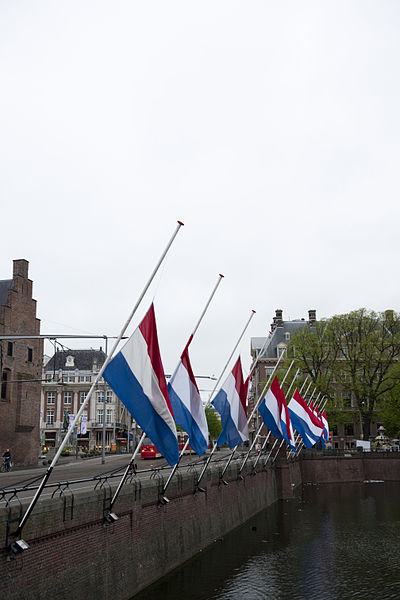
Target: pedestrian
[{"x": 7, "y": 459}]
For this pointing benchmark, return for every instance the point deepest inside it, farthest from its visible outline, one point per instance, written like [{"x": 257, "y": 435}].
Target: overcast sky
[{"x": 271, "y": 129}]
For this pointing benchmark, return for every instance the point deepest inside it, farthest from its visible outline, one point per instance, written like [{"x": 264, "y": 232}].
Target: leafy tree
[
  {"x": 213, "y": 422},
  {"x": 353, "y": 356}
]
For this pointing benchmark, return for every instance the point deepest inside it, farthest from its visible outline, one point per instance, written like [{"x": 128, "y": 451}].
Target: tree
[
  {"x": 213, "y": 422},
  {"x": 353, "y": 355}
]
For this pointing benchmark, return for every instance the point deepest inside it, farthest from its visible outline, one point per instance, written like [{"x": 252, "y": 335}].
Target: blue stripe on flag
[
  {"x": 303, "y": 429},
  {"x": 128, "y": 389},
  {"x": 185, "y": 420},
  {"x": 229, "y": 434},
  {"x": 269, "y": 420}
]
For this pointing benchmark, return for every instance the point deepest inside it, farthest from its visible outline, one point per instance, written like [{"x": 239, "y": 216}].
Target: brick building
[
  {"x": 20, "y": 367},
  {"x": 345, "y": 433},
  {"x": 67, "y": 379}
]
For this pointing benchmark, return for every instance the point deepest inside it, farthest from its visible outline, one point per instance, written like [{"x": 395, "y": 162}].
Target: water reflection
[{"x": 334, "y": 542}]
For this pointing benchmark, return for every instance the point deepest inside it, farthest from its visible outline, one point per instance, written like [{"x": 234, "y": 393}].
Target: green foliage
[
  {"x": 213, "y": 422},
  {"x": 352, "y": 356}
]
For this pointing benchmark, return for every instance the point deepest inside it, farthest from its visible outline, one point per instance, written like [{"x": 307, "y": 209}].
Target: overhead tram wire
[
  {"x": 110, "y": 517},
  {"x": 20, "y": 544}
]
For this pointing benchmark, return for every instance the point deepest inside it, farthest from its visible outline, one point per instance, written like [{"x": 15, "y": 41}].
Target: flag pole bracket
[
  {"x": 163, "y": 500},
  {"x": 110, "y": 518}
]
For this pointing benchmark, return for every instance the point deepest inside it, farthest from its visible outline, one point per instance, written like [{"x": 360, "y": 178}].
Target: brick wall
[
  {"x": 20, "y": 409},
  {"x": 81, "y": 558},
  {"x": 355, "y": 467}
]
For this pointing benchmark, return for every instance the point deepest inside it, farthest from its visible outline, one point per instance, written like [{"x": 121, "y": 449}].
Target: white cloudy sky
[{"x": 270, "y": 128}]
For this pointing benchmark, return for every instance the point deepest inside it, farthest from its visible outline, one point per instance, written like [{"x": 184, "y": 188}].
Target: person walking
[{"x": 7, "y": 460}]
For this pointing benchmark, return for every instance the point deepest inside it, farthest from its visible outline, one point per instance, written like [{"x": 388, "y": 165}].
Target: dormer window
[
  {"x": 70, "y": 361},
  {"x": 287, "y": 336}
]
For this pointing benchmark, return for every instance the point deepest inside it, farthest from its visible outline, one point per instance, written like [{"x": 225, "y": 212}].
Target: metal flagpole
[
  {"x": 296, "y": 438},
  {"x": 269, "y": 433},
  {"x": 99, "y": 374},
  {"x": 131, "y": 462},
  {"x": 301, "y": 389},
  {"x": 260, "y": 428},
  {"x": 322, "y": 408},
  {"x": 261, "y": 396},
  {"x": 211, "y": 395}
]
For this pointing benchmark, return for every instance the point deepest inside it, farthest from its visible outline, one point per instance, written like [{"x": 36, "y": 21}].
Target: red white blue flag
[
  {"x": 136, "y": 375},
  {"x": 230, "y": 402},
  {"x": 186, "y": 403},
  {"x": 304, "y": 420},
  {"x": 270, "y": 409}
]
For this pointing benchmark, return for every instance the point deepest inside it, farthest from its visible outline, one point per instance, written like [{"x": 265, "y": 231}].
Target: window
[
  {"x": 280, "y": 350},
  {"x": 109, "y": 396},
  {"x": 346, "y": 399},
  {"x": 70, "y": 361},
  {"x": 30, "y": 355},
  {"x": 50, "y": 417},
  {"x": 100, "y": 396},
  {"x": 349, "y": 429},
  {"x": 287, "y": 336},
  {"x": 49, "y": 376},
  {"x": 4, "y": 385},
  {"x": 10, "y": 348},
  {"x": 109, "y": 416},
  {"x": 67, "y": 397},
  {"x": 334, "y": 430},
  {"x": 100, "y": 416},
  {"x": 51, "y": 397},
  {"x": 85, "y": 378},
  {"x": 70, "y": 378},
  {"x": 83, "y": 397}
]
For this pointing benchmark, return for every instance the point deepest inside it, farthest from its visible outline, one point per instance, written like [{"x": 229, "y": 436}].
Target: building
[
  {"x": 67, "y": 379},
  {"x": 343, "y": 434},
  {"x": 20, "y": 367}
]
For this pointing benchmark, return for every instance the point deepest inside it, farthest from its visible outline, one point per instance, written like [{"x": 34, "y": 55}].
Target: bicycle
[{"x": 6, "y": 466}]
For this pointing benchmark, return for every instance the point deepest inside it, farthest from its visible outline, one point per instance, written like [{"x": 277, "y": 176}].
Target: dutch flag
[
  {"x": 186, "y": 403},
  {"x": 230, "y": 402},
  {"x": 304, "y": 420},
  {"x": 136, "y": 375},
  {"x": 270, "y": 409},
  {"x": 286, "y": 425}
]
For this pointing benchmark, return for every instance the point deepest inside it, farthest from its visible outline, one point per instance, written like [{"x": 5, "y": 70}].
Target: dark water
[{"x": 333, "y": 542}]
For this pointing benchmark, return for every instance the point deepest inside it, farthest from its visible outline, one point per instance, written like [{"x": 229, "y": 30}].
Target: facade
[
  {"x": 343, "y": 434},
  {"x": 67, "y": 379},
  {"x": 20, "y": 367}
]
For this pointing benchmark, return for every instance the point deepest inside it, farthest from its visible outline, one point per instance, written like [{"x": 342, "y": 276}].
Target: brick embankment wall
[
  {"x": 74, "y": 555},
  {"x": 351, "y": 468}
]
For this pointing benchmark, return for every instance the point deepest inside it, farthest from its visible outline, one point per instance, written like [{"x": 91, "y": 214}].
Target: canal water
[{"x": 334, "y": 542}]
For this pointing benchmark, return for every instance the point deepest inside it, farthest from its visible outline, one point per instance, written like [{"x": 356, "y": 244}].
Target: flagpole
[
  {"x": 269, "y": 433},
  {"x": 189, "y": 342},
  {"x": 260, "y": 428},
  {"x": 262, "y": 425},
  {"x": 253, "y": 312},
  {"x": 261, "y": 396},
  {"x": 323, "y": 407},
  {"x": 298, "y": 436},
  {"x": 90, "y": 393},
  {"x": 296, "y": 439}
]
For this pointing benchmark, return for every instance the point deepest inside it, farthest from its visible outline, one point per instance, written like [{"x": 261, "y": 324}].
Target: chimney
[
  {"x": 312, "y": 316},
  {"x": 20, "y": 267},
  {"x": 279, "y": 317}
]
